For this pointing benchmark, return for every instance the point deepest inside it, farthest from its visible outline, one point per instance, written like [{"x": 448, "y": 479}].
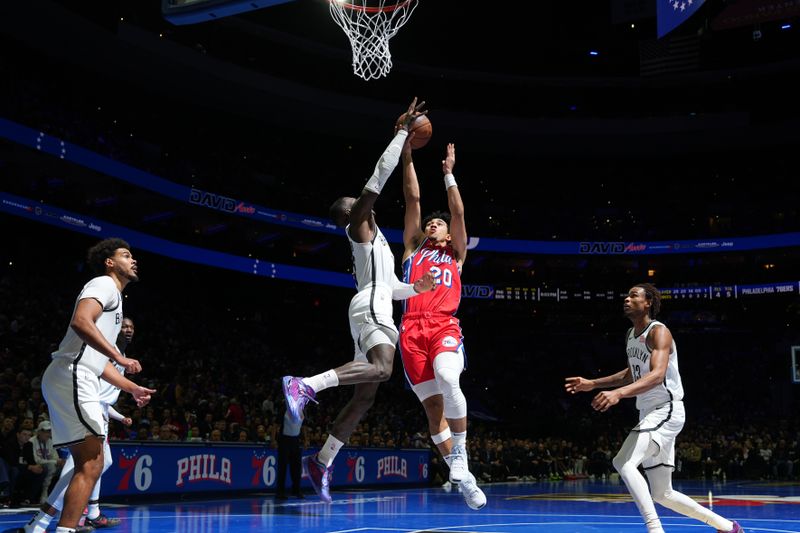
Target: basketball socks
[
  {"x": 60, "y": 529},
  {"x": 329, "y": 450},
  {"x": 94, "y": 509},
  {"x": 459, "y": 438},
  {"x": 322, "y": 381},
  {"x": 39, "y": 523}
]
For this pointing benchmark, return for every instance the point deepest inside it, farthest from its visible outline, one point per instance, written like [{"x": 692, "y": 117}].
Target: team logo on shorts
[{"x": 449, "y": 342}]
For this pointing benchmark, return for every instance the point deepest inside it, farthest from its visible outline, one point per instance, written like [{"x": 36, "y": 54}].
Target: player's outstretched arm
[
  {"x": 580, "y": 384},
  {"x": 412, "y": 221},
  {"x": 139, "y": 393},
  {"x": 404, "y": 291},
  {"x": 458, "y": 225},
  {"x": 361, "y": 229}
]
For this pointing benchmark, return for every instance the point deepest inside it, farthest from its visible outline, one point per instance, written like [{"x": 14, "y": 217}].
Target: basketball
[{"x": 421, "y": 126}]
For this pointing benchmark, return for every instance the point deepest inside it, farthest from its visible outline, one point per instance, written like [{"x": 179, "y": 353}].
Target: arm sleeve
[
  {"x": 402, "y": 291},
  {"x": 113, "y": 413},
  {"x": 387, "y": 163}
]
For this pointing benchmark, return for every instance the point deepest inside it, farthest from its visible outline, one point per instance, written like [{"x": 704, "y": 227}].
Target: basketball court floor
[{"x": 557, "y": 507}]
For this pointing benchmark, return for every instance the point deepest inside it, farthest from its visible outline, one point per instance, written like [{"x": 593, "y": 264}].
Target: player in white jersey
[
  {"x": 371, "y": 323},
  {"x": 652, "y": 376},
  {"x": 70, "y": 384},
  {"x": 55, "y": 500}
]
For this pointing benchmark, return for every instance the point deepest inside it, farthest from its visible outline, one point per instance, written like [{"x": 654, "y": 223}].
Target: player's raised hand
[
  {"x": 414, "y": 110},
  {"x": 426, "y": 283},
  {"x": 578, "y": 384},
  {"x": 449, "y": 160}
]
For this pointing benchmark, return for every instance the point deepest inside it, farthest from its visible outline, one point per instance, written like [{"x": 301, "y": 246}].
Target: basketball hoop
[{"x": 369, "y": 25}]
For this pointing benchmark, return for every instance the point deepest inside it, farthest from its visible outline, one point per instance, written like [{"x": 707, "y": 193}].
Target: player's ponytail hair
[
  {"x": 103, "y": 250},
  {"x": 654, "y": 296}
]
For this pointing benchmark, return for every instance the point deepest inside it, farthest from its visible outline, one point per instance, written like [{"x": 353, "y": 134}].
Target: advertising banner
[{"x": 142, "y": 468}]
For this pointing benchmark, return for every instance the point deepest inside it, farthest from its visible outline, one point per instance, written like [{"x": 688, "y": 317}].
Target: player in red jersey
[{"x": 430, "y": 335}]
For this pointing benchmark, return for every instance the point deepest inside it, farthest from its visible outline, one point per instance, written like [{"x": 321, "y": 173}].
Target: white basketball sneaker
[
  {"x": 459, "y": 466},
  {"x": 473, "y": 495}
]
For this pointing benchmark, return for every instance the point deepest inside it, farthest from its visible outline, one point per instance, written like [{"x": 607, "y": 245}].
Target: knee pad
[
  {"x": 447, "y": 368},
  {"x": 426, "y": 389}
]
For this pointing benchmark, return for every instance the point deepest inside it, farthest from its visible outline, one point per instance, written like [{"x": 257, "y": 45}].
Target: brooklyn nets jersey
[
  {"x": 373, "y": 262},
  {"x": 671, "y": 389},
  {"x": 104, "y": 290}
]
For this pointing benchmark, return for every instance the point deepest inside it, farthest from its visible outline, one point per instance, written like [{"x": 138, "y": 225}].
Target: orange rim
[{"x": 365, "y": 9}]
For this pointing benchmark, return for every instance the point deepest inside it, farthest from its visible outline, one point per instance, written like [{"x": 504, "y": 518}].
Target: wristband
[{"x": 449, "y": 181}]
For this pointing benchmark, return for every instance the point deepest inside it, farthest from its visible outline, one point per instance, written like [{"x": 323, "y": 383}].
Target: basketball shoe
[
  {"x": 458, "y": 462},
  {"x": 736, "y": 529},
  {"x": 473, "y": 495},
  {"x": 297, "y": 395},
  {"x": 319, "y": 476},
  {"x": 102, "y": 521}
]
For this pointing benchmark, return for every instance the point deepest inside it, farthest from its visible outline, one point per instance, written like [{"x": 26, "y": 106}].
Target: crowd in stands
[
  {"x": 215, "y": 344},
  {"x": 216, "y": 361}
]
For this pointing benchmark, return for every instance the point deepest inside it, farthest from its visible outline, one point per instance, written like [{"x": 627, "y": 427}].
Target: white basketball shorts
[
  {"x": 72, "y": 393},
  {"x": 371, "y": 321},
  {"x": 663, "y": 423}
]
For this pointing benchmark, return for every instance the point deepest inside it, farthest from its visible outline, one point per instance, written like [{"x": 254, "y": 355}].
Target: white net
[{"x": 369, "y": 25}]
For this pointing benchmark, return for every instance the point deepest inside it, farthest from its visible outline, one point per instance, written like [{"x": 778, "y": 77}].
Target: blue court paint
[{"x": 558, "y": 507}]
